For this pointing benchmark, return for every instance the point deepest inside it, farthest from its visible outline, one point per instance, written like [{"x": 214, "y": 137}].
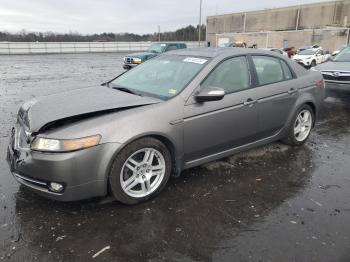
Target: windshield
[
  {"x": 306, "y": 52},
  {"x": 343, "y": 56},
  {"x": 157, "y": 48},
  {"x": 162, "y": 77}
]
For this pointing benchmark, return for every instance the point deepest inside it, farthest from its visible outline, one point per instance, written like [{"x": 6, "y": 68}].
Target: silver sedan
[{"x": 176, "y": 111}]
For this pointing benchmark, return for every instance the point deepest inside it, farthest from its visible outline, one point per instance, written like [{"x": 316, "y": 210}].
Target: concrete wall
[
  {"x": 12, "y": 48},
  {"x": 309, "y": 16},
  {"x": 330, "y": 39}
]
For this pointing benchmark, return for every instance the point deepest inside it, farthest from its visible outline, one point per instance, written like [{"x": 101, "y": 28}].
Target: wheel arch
[
  {"x": 168, "y": 142},
  {"x": 314, "y": 110}
]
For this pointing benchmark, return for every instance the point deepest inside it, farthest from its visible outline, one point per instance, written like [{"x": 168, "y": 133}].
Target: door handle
[
  {"x": 250, "y": 102},
  {"x": 293, "y": 91}
]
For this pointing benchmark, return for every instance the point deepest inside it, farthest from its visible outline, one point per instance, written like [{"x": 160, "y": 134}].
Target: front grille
[
  {"x": 129, "y": 60},
  {"x": 336, "y": 76}
]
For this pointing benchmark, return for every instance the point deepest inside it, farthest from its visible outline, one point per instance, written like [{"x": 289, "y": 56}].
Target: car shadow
[{"x": 185, "y": 222}]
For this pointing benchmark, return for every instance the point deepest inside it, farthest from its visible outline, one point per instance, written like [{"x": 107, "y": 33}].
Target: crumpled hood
[
  {"x": 141, "y": 54},
  {"x": 334, "y": 66},
  {"x": 42, "y": 111}
]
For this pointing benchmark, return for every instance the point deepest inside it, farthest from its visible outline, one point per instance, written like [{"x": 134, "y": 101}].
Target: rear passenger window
[
  {"x": 268, "y": 69},
  {"x": 172, "y": 47},
  {"x": 287, "y": 73}
]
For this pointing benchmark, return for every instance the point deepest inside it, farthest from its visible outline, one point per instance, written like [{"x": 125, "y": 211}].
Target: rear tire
[
  {"x": 300, "y": 127},
  {"x": 140, "y": 171},
  {"x": 313, "y": 63}
]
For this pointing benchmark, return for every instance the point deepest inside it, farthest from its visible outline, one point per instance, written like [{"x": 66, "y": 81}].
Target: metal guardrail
[{"x": 13, "y": 48}]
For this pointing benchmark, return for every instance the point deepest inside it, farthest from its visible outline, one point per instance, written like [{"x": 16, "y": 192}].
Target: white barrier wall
[{"x": 9, "y": 48}]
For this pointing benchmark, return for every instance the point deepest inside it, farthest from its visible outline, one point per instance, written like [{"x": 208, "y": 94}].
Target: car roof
[{"x": 215, "y": 52}]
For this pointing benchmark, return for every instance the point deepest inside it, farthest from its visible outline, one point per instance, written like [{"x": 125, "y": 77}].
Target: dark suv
[{"x": 155, "y": 49}]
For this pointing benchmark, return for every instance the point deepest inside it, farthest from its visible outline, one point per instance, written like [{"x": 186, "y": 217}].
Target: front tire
[
  {"x": 313, "y": 63},
  {"x": 140, "y": 171},
  {"x": 300, "y": 127}
]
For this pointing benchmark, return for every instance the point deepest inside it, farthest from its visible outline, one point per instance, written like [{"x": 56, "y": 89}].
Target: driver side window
[
  {"x": 232, "y": 75},
  {"x": 171, "y": 47}
]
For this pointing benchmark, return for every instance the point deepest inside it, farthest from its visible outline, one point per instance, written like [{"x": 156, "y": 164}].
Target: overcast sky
[{"x": 136, "y": 16}]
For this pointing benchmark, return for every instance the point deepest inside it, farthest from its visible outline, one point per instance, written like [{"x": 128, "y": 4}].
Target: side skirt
[{"x": 232, "y": 151}]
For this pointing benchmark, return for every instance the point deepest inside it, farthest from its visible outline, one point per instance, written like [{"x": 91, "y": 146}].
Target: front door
[{"x": 216, "y": 126}]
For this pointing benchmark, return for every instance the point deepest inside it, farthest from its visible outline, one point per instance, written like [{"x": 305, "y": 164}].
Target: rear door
[
  {"x": 216, "y": 126},
  {"x": 277, "y": 89}
]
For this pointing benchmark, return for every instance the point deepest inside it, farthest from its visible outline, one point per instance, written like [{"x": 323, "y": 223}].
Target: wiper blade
[{"x": 127, "y": 90}]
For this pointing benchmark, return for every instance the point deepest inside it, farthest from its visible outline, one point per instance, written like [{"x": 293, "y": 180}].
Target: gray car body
[{"x": 195, "y": 133}]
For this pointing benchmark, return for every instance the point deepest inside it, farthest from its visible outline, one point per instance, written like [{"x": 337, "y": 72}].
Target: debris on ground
[
  {"x": 317, "y": 203},
  {"x": 60, "y": 238},
  {"x": 101, "y": 251}
]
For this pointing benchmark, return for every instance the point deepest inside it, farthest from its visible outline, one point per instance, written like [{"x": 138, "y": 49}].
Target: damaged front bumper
[{"x": 83, "y": 174}]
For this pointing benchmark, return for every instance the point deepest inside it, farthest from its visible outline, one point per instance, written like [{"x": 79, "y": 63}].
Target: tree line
[{"x": 189, "y": 33}]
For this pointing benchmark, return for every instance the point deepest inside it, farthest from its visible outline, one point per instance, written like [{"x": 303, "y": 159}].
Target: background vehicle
[
  {"x": 277, "y": 50},
  {"x": 236, "y": 44},
  {"x": 336, "y": 72},
  {"x": 309, "y": 58},
  {"x": 291, "y": 51},
  {"x": 338, "y": 50},
  {"x": 173, "y": 112},
  {"x": 310, "y": 47},
  {"x": 135, "y": 59}
]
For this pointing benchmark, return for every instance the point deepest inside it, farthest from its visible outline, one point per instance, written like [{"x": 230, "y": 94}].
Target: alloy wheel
[
  {"x": 303, "y": 125},
  {"x": 142, "y": 173}
]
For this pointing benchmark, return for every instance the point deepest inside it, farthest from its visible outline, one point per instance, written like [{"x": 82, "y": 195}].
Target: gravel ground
[{"x": 274, "y": 203}]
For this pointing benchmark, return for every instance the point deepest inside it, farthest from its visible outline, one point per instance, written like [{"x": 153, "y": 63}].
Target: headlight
[
  {"x": 137, "y": 61},
  {"x": 64, "y": 145}
]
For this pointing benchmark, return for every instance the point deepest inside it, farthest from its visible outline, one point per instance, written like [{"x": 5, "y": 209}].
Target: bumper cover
[
  {"x": 340, "y": 86},
  {"x": 303, "y": 63},
  {"x": 83, "y": 173},
  {"x": 129, "y": 66}
]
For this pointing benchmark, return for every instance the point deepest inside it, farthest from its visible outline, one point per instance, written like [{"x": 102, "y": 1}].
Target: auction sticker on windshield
[{"x": 195, "y": 60}]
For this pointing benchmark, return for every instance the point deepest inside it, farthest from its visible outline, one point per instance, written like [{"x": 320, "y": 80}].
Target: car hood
[
  {"x": 85, "y": 102},
  {"x": 302, "y": 56},
  {"x": 334, "y": 66},
  {"x": 141, "y": 54}
]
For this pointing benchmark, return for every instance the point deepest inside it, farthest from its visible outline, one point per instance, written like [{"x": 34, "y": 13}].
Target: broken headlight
[{"x": 64, "y": 145}]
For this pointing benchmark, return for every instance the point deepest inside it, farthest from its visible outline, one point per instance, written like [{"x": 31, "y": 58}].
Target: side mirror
[{"x": 210, "y": 94}]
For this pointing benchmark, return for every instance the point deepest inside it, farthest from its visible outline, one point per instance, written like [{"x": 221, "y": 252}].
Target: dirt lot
[{"x": 274, "y": 203}]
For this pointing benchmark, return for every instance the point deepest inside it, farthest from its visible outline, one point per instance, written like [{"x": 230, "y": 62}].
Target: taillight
[{"x": 320, "y": 84}]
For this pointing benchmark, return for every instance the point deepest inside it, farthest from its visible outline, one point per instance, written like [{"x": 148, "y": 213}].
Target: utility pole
[
  {"x": 159, "y": 33},
  {"x": 200, "y": 23}
]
